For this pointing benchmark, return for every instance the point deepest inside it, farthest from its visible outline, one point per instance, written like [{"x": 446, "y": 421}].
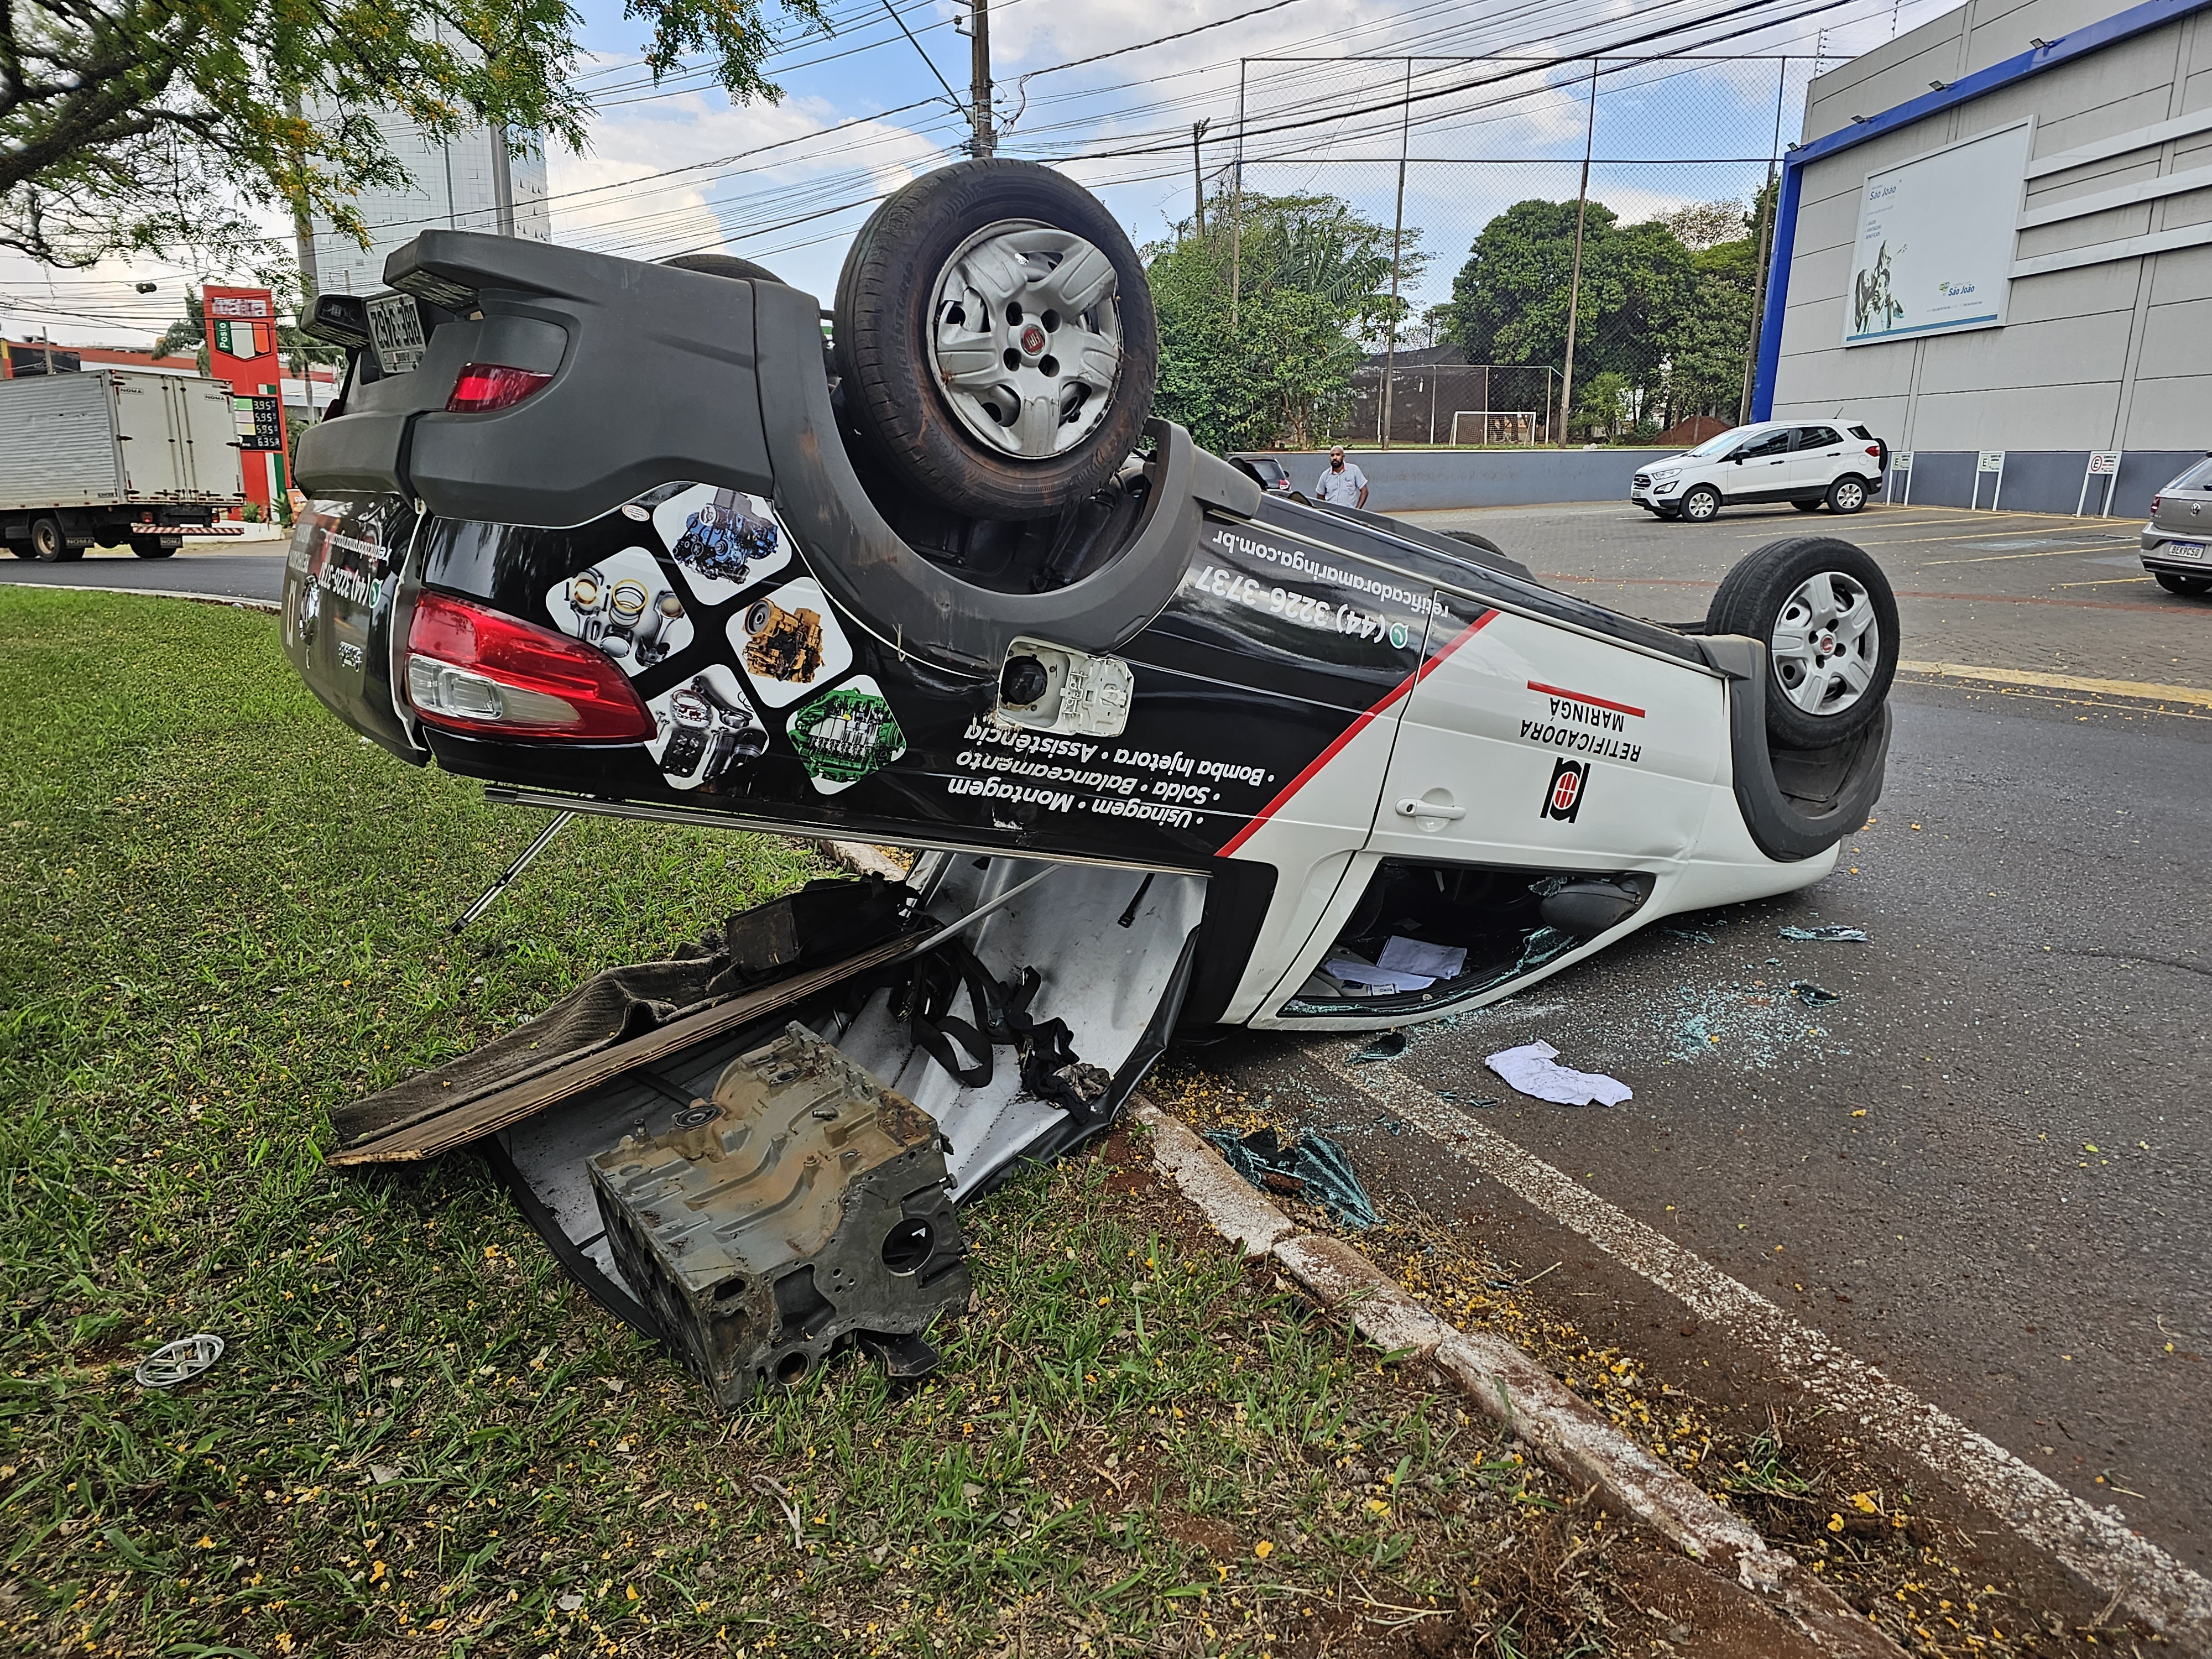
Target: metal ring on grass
[{"x": 179, "y": 1361}]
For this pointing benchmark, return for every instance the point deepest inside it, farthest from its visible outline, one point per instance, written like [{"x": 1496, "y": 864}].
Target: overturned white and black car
[{"x": 638, "y": 540}]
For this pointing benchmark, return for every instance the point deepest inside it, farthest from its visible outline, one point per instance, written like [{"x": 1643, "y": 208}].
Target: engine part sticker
[
  {"x": 724, "y": 540},
  {"x": 790, "y": 643},
  {"x": 705, "y": 729},
  {"x": 625, "y": 606},
  {"x": 843, "y": 735}
]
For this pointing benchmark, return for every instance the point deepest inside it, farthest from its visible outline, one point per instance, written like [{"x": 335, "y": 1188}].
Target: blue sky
[{"x": 677, "y": 167}]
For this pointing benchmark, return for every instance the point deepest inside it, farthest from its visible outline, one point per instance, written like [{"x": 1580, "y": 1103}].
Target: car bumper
[{"x": 2188, "y": 555}]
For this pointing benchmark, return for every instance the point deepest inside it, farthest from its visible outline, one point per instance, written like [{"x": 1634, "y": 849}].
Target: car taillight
[
  {"x": 483, "y": 387},
  {"x": 2155, "y": 500},
  {"x": 1874, "y": 450},
  {"x": 479, "y": 671}
]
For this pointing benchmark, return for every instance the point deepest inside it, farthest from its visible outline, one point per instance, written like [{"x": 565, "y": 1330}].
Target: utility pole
[
  {"x": 1236, "y": 208},
  {"x": 1397, "y": 236},
  {"x": 1575, "y": 286},
  {"x": 1198, "y": 171},
  {"x": 979, "y": 91}
]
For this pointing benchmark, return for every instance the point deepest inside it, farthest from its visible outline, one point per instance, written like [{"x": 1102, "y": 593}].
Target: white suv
[{"x": 1803, "y": 463}]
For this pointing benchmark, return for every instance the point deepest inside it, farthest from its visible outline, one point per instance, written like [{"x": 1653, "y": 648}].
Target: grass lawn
[{"x": 228, "y": 918}]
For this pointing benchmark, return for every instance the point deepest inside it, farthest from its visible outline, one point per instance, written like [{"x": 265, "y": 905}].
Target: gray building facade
[
  {"x": 473, "y": 183},
  {"x": 2103, "y": 337}
]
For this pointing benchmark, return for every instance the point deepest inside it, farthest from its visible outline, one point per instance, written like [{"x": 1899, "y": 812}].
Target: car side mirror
[{"x": 1738, "y": 459}]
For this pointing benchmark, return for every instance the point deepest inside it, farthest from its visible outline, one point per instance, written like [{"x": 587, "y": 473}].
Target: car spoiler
[{"x": 660, "y": 376}]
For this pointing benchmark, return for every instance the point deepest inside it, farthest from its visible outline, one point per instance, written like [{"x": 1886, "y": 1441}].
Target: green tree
[
  {"x": 1665, "y": 305},
  {"x": 154, "y": 126},
  {"x": 1510, "y": 301},
  {"x": 1312, "y": 281}
]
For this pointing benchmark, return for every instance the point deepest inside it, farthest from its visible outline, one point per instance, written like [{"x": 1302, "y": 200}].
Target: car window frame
[
  {"x": 1801, "y": 438},
  {"x": 1751, "y": 449}
]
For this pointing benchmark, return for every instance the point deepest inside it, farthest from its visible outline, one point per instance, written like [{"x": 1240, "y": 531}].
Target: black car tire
[
  {"x": 1751, "y": 600},
  {"x": 893, "y": 395},
  {"x": 2192, "y": 587},
  {"x": 1699, "y": 505},
  {"x": 723, "y": 264},
  {"x": 1808, "y": 506},
  {"x": 49, "y": 545},
  {"x": 1482, "y": 542},
  {"x": 1847, "y": 494},
  {"x": 147, "y": 548}
]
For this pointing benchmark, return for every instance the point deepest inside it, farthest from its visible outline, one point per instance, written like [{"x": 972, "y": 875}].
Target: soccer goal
[{"x": 1510, "y": 426}]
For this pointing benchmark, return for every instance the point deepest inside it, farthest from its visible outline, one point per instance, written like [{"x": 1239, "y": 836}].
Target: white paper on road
[
  {"x": 1529, "y": 1069},
  {"x": 1348, "y": 970},
  {"x": 1415, "y": 955}
]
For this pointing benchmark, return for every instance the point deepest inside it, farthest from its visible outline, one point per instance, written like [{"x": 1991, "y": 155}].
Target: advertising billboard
[{"x": 1936, "y": 239}]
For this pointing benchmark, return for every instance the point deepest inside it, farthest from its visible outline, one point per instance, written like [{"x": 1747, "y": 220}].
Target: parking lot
[{"x": 1979, "y": 1169}]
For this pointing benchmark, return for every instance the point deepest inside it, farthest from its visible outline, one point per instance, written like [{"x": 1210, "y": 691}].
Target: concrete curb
[
  {"x": 1506, "y": 1384},
  {"x": 238, "y": 600}
]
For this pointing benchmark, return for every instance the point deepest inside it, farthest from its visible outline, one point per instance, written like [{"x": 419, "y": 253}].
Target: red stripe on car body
[
  {"x": 1577, "y": 696},
  {"x": 1351, "y": 731}
]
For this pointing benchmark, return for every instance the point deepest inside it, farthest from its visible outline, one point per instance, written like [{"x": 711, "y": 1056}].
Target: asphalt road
[
  {"x": 2020, "y": 1225},
  {"x": 231, "y": 573}
]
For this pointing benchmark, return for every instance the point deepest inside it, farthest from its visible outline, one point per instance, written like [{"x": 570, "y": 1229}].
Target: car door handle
[{"x": 1410, "y": 808}]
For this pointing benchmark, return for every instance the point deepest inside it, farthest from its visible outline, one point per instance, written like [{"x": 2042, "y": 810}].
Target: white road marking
[{"x": 2096, "y": 1544}]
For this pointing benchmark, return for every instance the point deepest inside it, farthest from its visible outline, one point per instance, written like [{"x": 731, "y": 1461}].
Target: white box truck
[{"x": 112, "y": 456}]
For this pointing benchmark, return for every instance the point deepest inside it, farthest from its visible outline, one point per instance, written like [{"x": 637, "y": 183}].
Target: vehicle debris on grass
[{"x": 1313, "y": 1168}]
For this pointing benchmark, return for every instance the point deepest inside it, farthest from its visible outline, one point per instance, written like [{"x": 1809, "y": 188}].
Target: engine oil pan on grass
[{"x": 805, "y": 1206}]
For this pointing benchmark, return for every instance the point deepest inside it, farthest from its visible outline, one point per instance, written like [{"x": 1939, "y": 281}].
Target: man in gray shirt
[{"x": 1342, "y": 484}]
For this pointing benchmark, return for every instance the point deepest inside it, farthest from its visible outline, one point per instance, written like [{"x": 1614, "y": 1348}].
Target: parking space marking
[
  {"x": 1996, "y": 558},
  {"x": 2142, "y": 688},
  {"x": 2095, "y": 1543},
  {"x": 2105, "y": 581},
  {"x": 1982, "y": 534}
]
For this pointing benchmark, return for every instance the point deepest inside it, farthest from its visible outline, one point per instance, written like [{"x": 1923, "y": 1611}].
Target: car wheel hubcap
[
  {"x": 1847, "y": 496},
  {"x": 1025, "y": 335},
  {"x": 1826, "y": 642}
]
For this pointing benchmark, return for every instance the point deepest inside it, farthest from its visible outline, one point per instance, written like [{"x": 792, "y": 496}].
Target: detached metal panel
[{"x": 58, "y": 442}]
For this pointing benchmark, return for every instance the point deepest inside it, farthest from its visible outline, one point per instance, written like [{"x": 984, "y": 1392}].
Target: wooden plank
[{"x": 427, "y": 1136}]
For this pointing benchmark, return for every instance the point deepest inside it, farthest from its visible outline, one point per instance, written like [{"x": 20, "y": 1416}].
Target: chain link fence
[{"x": 1623, "y": 203}]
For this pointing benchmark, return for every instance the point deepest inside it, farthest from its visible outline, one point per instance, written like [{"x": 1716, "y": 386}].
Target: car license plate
[
  {"x": 396, "y": 328},
  {"x": 2192, "y": 550}
]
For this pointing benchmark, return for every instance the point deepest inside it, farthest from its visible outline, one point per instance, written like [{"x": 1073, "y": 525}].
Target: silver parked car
[{"x": 2177, "y": 543}]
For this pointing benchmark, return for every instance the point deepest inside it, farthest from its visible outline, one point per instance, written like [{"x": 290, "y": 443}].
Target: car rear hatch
[
  {"x": 346, "y": 594},
  {"x": 2181, "y": 516}
]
